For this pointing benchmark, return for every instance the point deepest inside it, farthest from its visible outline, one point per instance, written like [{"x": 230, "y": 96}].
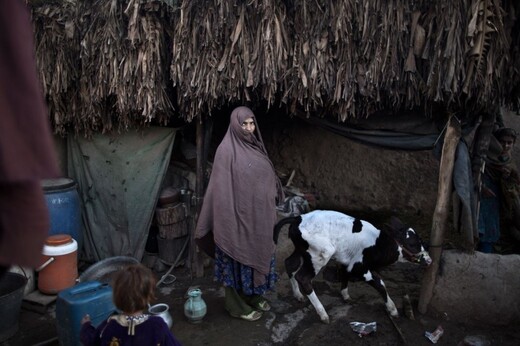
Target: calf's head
[{"x": 410, "y": 243}]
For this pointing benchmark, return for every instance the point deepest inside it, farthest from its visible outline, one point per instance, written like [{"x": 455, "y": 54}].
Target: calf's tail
[{"x": 292, "y": 220}]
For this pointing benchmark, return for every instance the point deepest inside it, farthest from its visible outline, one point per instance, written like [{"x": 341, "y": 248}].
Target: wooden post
[
  {"x": 440, "y": 216},
  {"x": 197, "y": 256}
]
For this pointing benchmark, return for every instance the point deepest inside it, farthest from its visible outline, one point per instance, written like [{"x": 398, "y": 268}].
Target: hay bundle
[
  {"x": 123, "y": 60},
  {"x": 225, "y": 50},
  {"x": 126, "y": 60},
  {"x": 393, "y": 54},
  {"x": 348, "y": 57},
  {"x": 57, "y": 52}
]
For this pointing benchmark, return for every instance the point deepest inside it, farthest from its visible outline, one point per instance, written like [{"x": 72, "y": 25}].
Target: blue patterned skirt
[{"x": 234, "y": 274}]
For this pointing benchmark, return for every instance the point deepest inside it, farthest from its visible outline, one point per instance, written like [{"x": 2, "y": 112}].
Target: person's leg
[
  {"x": 257, "y": 301},
  {"x": 237, "y": 307}
]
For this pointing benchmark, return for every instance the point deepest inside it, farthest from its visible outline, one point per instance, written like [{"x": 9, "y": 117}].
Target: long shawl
[{"x": 239, "y": 208}]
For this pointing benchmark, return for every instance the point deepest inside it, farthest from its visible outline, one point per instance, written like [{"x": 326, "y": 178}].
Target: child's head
[
  {"x": 133, "y": 288},
  {"x": 507, "y": 138}
]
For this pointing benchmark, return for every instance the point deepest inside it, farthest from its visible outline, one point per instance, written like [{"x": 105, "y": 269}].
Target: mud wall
[
  {"x": 356, "y": 178},
  {"x": 348, "y": 176},
  {"x": 478, "y": 288}
]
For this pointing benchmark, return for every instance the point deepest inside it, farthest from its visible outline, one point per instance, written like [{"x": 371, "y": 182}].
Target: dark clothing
[
  {"x": 489, "y": 216},
  {"x": 501, "y": 177},
  {"x": 27, "y": 152},
  {"x": 118, "y": 330}
]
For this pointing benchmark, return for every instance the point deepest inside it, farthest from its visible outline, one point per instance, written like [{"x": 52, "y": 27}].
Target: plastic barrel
[{"x": 63, "y": 202}]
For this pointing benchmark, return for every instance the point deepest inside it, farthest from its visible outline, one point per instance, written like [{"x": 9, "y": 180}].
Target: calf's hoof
[
  {"x": 325, "y": 319},
  {"x": 299, "y": 297}
]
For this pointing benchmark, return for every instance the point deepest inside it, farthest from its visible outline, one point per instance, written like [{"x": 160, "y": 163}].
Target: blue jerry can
[{"x": 91, "y": 297}]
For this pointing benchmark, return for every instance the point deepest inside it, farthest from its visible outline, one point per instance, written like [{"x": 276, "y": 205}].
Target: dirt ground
[{"x": 291, "y": 322}]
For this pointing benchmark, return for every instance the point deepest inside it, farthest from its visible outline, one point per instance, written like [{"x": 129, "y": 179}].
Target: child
[{"x": 133, "y": 290}]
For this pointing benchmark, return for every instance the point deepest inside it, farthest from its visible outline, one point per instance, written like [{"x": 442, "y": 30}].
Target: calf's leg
[
  {"x": 344, "y": 283},
  {"x": 292, "y": 266},
  {"x": 304, "y": 277},
  {"x": 376, "y": 282},
  {"x": 301, "y": 272}
]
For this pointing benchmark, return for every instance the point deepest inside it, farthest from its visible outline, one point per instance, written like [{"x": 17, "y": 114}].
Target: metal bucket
[{"x": 12, "y": 286}]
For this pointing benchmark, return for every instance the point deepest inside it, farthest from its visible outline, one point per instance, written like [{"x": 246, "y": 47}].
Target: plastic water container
[
  {"x": 59, "y": 268},
  {"x": 90, "y": 297},
  {"x": 63, "y": 203}
]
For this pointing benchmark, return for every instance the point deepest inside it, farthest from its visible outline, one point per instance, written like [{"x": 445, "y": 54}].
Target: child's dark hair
[
  {"x": 505, "y": 131},
  {"x": 133, "y": 288}
]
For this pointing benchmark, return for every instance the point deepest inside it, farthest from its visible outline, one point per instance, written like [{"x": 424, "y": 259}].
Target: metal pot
[{"x": 162, "y": 310}]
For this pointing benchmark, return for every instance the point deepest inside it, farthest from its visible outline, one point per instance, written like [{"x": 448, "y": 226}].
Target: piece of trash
[
  {"x": 407, "y": 306},
  {"x": 435, "y": 335},
  {"x": 363, "y": 328}
]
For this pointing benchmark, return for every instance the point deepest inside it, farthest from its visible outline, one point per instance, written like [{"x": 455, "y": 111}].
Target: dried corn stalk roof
[{"x": 114, "y": 64}]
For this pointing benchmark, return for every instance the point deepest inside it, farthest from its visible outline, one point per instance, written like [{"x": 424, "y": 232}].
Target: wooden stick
[
  {"x": 440, "y": 216},
  {"x": 290, "y": 178},
  {"x": 398, "y": 330},
  {"x": 196, "y": 257}
]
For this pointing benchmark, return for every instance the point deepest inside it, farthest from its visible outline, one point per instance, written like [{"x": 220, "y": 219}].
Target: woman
[
  {"x": 238, "y": 214},
  {"x": 499, "y": 189}
]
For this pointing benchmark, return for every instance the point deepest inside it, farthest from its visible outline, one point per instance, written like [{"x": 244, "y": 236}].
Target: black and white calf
[{"x": 322, "y": 235}]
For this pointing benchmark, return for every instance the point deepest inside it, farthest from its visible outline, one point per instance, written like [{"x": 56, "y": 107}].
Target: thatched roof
[{"x": 114, "y": 64}]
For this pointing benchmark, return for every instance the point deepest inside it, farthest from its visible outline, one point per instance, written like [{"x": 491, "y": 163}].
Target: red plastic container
[{"x": 59, "y": 269}]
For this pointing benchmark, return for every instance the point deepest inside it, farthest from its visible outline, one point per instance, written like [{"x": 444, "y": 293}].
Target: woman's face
[
  {"x": 507, "y": 144},
  {"x": 249, "y": 125}
]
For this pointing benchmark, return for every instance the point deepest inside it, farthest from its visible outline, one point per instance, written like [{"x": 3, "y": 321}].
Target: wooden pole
[
  {"x": 440, "y": 216},
  {"x": 197, "y": 258}
]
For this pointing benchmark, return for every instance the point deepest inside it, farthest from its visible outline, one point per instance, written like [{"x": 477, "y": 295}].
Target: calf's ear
[
  {"x": 395, "y": 223},
  {"x": 394, "y": 226}
]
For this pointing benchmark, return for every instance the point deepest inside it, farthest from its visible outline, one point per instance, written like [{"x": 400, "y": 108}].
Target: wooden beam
[
  {"x": 440, "y": 216},
  {"x": 197, "y": 258}
]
